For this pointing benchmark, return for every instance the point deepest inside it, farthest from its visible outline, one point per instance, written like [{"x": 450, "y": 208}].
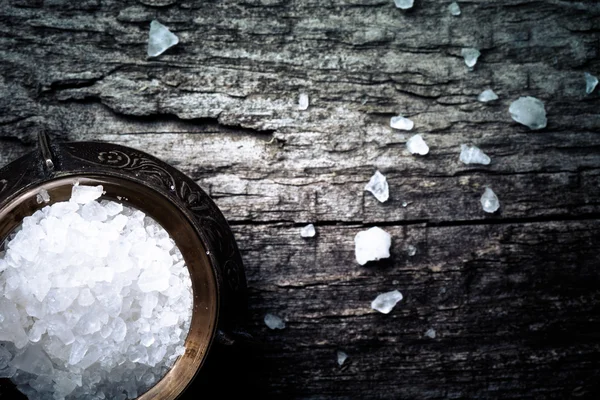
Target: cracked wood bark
[{"x": 513, "y": 296}]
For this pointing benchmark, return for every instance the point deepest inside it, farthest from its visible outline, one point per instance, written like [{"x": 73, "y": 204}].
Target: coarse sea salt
[{"x": 97, "y": 301}]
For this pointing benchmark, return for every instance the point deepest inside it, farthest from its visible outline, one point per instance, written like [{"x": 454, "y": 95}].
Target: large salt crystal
[
  {"x": 385, "y": 302},
  {"x": 303, "y": 102},
  {"x": 404, "y": 4},
  {"x": 81, "y": 194},
  {"x": 473, "y": 155},
  {"x": 489, "y": 201},
  {"x": 372, "y": 245},
  {"x": 487, "y": 95},
  {"x": 33, "y": 360},
  {"x": 308, "y": 231},
  {"x": 590, "y": 82},
  {"x": 470, "y": 55},
  {"x": 274, "y": 322},
  {"x": 529, "y": 111},
  {"x": 379, "y": 187},
  {"x": 399, "y": 122},
  {"x": 454, "y": 9},
  {"x": 416, "y": 145},
  {"x": 43, "y": 196},
  {"x": 161, "y": 39}
]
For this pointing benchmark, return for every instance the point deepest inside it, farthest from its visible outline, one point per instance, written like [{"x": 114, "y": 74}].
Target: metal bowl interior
[{"x": 175, "y": 222}]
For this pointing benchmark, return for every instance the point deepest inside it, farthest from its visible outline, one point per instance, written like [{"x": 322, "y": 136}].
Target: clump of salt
[
  {"x": 529, "y": 111},
  {"x": 402, "y": 123},
  {"x": 308, "y": 231},
  {"x": 372, "y": 245},
  {"x": 385, "y": 302},
  {"x": 379, "y": 187},
  {"x": 470, "y": 55},
  {"x": 590, "y": 83},
  {"x": 487, "y": 95},
  {"x": 341, "y": 357},
  {"x": 274, "y": 322},
  {"x": 85, "y": 310},
  {"x": 404, "y": 4},
  {"x": 161, "y": 39},
  {"x": 416, "y": 145},
  {"x": 303, "y": 102},
  {"x": 489, "y": 201},
  {"x": 473, "y": 155},
  {"x": 454, "y": 9}
]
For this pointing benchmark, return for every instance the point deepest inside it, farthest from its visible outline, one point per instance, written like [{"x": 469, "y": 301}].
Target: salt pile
[
  {"x": 160, "y": 40},
  {"x": 487, "y": 95},
  {"x": 590, "y": 83},
  {"x": 529, "y": 111},
  {"x": 473, "y": 155},
  {"x": 97, "y": 301},
  {"x": 404, "y": 4},
  {"x": 274, "y": 322},
  {"x": 341, "y": 357},
  {"x": 385, "y": 302},
  {"x": 372, "y": 245},
  {"x": 489, "y": 201},
  {"x": 303, "y": 102},
  {"x": 399, "y": 122},
  {"x": 416, "y": 145},
  {"x": 379, "y": 187},
  {"x": 454, "y": 9},
  {"x": 308, "y": 231},
  {"x": 470, "y": 55}
]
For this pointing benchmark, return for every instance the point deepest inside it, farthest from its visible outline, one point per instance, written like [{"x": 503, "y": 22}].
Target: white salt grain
[
  {"x": 379, "y": 187},
  {"x": 399, "y": 122},
  {"x": 430, "y": 333},
  {"x": 341, "y": 357},
  {"x": 454, "y": 9},
  {"x": 590, "y": 83},
  {"x": 404, "y": 4},
  {"x": 308, "y": 231},
  {"x": 372, "y": 245},
  {"x": 487, "y": 95},
  {"x": 411, "y": 250},
  {"x": 473, "y": 155},
  {"x": 43, "y": 196},
  {"x": 160, "y": 39},
  {"x": 385, "y": 302},
  {"x": 303, "y": 102},
  {"x": 416, "y": 145},
  {"x": 85, "y": 194},
  {"x": 274, "y": 322},
  {"x": 470, "y": 55},
  {"x": 529, "y": 111},
  {"x": 489, "y": 201}
]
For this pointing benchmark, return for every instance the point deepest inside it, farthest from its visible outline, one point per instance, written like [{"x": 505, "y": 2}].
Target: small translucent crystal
[
  {"x": 372, "y": 245},
  {"x": 404, "y": 4},
  {"x": 43, "y": 196},
  {"x": 454, "y": 9},
  {"x": 470, "y": 55},
  {"x": 341, "y": 357},
  {"x": 529, "y": 111},
  {"x": 416, "y": 145},
  {"x": 379, "y": 187},
  {"x": 590, "y": 82},
  {"x": 274, "y": 322},
  {"x": 308, "y": 231},
  {"x": 85, "y": 194},
  {"x": 487, "y": 95},
  {"x": 399, "y": 122},
  {"x": 430, "y": 333},
  {"x": 303, "y": 102},
  {"x": 411, "y": 250},
  {"x": 161, "y": 39},
  {"x": 385, "y": 302},
  {"x": 489, "y": 201},
  {"x": 473, "y": 155}
]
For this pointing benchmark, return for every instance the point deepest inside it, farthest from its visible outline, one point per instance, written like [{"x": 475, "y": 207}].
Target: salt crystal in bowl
[{"x": 145, "y": 183}]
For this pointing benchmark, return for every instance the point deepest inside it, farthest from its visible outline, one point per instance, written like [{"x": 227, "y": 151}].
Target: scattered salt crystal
[
  {"x": 590, "y": 82},
  {"x": 385, "y": 302},
  {"x": 308, "y": 231},
  {"x": 454, "y": 9},
  {"x": 487, "y": 95},
  {"x": 341, "y": 357},
  {"x": 411, "y": 250},
  {"x": 274, "y": 322},
  {"x": 470, "y": 55},
  {"x": 404, "y": 4},
  {"x": 161, "y": 39},
  {"x": 430, "y": 333},
  {"x": 42, "y": 196},
  {"x": 473, "y": 155},
  {"x": 399, "y": 122},
  {"x": 529, "y": 111},
  {"x": 378, "y": 186},
  {"x": 489, "y": 201},
  {"x": 372, "y": 245},
  {"x": 303, "y": 102},
  {"x": 416, "y": 145},
  {"x": 85, "y": 194}
]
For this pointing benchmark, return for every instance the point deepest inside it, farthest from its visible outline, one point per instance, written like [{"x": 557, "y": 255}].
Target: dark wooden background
[{"x": 514, "y": 297}]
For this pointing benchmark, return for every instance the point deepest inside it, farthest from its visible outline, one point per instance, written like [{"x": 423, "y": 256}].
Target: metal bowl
[{"x": 174, "y": 201}]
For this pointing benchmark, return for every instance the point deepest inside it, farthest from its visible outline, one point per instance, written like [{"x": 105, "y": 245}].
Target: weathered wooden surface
[{"x": 514, "y": 297}]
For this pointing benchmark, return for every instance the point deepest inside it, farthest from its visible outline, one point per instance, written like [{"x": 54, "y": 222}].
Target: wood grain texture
[{"x": 514, "y": 297}]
